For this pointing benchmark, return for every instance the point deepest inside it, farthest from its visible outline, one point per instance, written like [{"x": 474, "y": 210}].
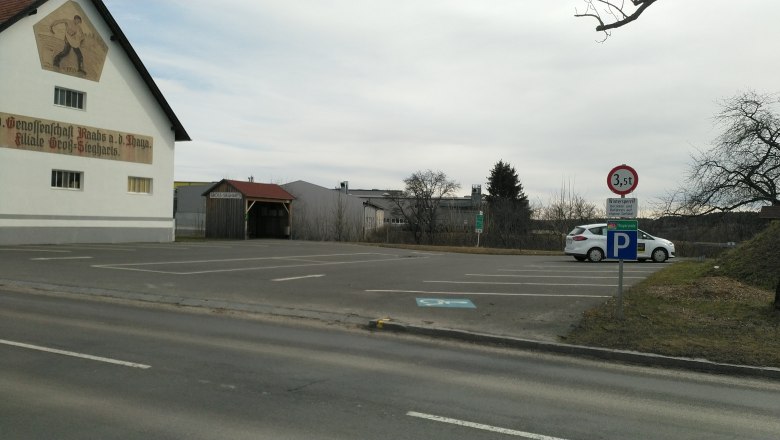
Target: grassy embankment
[{"x": 721, "y": 310}]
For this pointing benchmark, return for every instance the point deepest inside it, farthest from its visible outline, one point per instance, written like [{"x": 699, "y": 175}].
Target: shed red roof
[
  {"x": 260, "y": 190},
  {"x": 10, "y": 8}
]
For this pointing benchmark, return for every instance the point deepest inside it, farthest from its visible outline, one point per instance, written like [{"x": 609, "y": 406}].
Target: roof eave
[
  {"x": 30, "y": 10},
  {"x": 119, "y": 37}
]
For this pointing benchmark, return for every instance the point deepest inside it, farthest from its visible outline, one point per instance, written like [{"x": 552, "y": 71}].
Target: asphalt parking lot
[{"x": 530, "y": 297}]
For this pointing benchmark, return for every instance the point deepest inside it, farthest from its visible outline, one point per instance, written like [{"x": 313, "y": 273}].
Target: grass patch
[
  {"x": 686, "y": 310},
  {"x": 757, "y": 261}
]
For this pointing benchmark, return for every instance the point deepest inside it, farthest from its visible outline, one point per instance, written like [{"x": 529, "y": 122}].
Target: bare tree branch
[
  {"x": 742, "y": 169},
  {"x": 612, "y": 14}
]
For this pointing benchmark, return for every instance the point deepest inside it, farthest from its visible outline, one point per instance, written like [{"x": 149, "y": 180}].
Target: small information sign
[
  {"x": 480, "y": 222},
  {"x": 622, "y": 207}
]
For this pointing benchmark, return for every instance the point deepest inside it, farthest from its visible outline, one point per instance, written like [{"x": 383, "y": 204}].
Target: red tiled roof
[
  {"x": 261, "y": 190},
  {"x": 10, "y": 8}
]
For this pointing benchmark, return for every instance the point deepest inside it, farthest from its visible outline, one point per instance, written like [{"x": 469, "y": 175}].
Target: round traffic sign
[{"x": 622, "y": 179}]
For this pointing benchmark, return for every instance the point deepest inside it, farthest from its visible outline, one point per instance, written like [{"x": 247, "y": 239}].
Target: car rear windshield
[{"x": 577, "y": 231}]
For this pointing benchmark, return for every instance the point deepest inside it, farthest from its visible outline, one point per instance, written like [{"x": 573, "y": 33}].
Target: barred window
[
  {"x": 68, "y": 98},
  {"x": 141, "y": 185},
  {"x": 66, "y": 179}
]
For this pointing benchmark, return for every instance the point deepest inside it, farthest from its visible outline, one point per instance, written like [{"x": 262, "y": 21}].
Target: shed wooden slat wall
[{"x": 225, "y": 217}]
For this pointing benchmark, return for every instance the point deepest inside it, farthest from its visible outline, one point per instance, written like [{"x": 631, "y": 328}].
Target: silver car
[{"x": 589, "y": 242}]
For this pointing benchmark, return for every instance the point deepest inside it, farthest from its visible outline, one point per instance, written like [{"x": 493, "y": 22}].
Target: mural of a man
[{"x": 74, "y": 38}]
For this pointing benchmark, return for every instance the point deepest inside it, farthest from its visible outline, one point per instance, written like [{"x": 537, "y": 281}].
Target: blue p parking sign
[{"x": 622, "y": 239}]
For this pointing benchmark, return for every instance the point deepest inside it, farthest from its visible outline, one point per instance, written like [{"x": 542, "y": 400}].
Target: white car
[{"x": 589, "y": 242}]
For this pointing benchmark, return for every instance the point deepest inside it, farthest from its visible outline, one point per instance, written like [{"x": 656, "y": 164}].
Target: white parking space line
[
  {"x": 101, "y": 248},
  {"x": 206, "y": 246},
  {"x": 74, "y": 354},
  {"x": 57, "y": 251},
  {"x": 579, "y": 277},
  {"x": 613, "y": 271},
  {"x": 59, "y": 258},
  {"x": 522, "y": 284},
  {"x": 542, "y": 295},
  {"x": 481, "y": 426},
  {"x": 307, "y": 259},
  {"x": 299, "y": 278}
]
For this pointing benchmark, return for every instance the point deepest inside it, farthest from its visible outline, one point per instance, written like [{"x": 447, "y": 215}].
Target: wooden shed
[{"x": 245, "y": 210}]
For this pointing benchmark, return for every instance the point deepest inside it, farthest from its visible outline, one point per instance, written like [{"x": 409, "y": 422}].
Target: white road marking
[
  {"x": 550, "y": 295},
  {"x": 33, "y": 250},
  {"x": 548, "y": 276},
  {"x": 613, "y": 271},
  {"x": 59, "y": 258},
  {"x": 299, "y": 278},
  {"x": 98, "y": 247},
  {"x": 522, "y": 284},
  {"x": 74, "y": 354},
  {"x": 138, "y": 266},
  {"x": 481, "y": 426}
]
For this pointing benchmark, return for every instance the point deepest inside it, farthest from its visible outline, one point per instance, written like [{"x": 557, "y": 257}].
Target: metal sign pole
[
  {"x": 479, "y": 223},
  {"x": 622, "y": 180},
  {"x": 620, "y": 289},
  {"x": 620, "y": 282}
]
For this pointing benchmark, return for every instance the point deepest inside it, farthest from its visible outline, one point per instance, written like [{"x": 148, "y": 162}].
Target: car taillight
[{"x": 579, "y": 238}]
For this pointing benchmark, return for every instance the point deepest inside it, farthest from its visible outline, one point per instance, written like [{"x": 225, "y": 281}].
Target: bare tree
[
  {"x": 567, "y": 210},
  {"x": 420, "y": 200},
  {"x": 742, "y": 169},
  {"x": 612, "y": 14}
]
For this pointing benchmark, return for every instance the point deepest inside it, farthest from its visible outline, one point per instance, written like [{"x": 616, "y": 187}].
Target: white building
[{"x": 86, "y": 137}]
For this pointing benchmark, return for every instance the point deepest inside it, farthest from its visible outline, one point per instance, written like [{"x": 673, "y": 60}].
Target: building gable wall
[{"x": 117, "y": 106}]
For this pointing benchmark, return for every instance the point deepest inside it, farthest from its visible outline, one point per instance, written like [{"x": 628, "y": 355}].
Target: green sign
[
  {"x": 622, "y": 225},
  {"x": 480, "y": 222}
]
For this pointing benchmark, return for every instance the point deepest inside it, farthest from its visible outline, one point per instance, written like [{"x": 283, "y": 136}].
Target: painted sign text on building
[
  {"x": 35, "y": 134},
  {"x": 225, "y": 195}
]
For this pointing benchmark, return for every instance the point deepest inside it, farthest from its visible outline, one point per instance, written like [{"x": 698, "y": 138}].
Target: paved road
[
  {"x": 74, "y": 369},
  {"x": 532, "y": 297}
]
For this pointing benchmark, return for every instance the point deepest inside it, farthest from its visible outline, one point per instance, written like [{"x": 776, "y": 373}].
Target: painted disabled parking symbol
[{"x": 451, "y": 303}]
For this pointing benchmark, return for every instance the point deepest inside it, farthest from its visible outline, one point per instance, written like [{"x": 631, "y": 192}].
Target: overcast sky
[{"x": 370, "y": 91}]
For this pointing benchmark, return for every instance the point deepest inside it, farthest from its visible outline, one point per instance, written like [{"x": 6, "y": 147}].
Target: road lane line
[
  {"x": 545, "y": 295},
  {"x": 74, "y": 354},
  {"x": 299, "y": 278},
  {"x": 481, "y": 426}
]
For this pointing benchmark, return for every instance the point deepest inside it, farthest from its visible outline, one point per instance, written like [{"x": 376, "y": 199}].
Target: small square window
[
  {"x": 66, "y": 179},
  {"x": 69, "y": 98},
  {"x": 139, "y": 185}
]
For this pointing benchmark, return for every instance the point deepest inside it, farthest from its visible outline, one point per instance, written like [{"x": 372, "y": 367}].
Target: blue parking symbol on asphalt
[{"x": 443, "y": 302}]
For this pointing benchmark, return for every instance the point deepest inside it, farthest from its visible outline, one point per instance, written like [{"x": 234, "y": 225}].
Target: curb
[
  {"x": 625, "y": 356},
  {"x": 387, "y": 324}
]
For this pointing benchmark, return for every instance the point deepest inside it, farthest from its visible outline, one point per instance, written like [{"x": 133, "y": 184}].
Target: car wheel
[
  {"x": 580, "y": 258},
  {"x": 595, "y": 255},
  {"x": 659, "y": 255}
]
